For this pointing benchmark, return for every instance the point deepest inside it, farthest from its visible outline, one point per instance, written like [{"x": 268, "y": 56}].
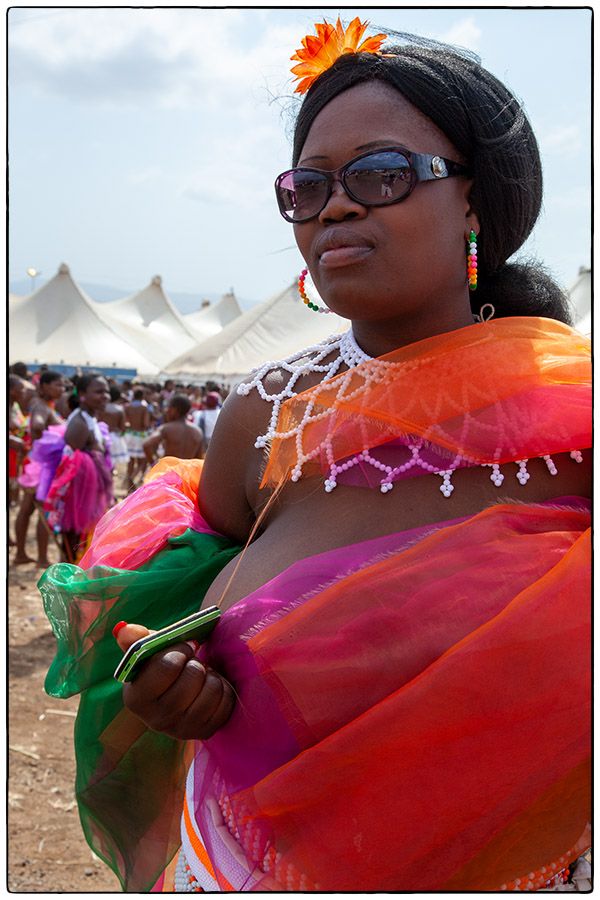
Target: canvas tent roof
[
  {"x": 272, "y": 330},
  {"x": 580, "y": 295},
  {"x": 212, "y": 319},
  {"x": 149, "y": 322},
  {"x": 59, "y": 325}
]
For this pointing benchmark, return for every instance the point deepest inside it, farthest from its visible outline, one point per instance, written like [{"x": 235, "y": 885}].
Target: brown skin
[
  {"x": 114, "y": 416},
  {"x": 41, "y": 415},
  {"x": 178, "y": 438},
  {"x": 138, "y": 417},
  {"x": 92, "y": 401},
  {"x": 410, "y": 285},
  {"x": 176, "y": 693},
  {"x": 29, "y": 395},
  {"x": 16, "y": 394}
]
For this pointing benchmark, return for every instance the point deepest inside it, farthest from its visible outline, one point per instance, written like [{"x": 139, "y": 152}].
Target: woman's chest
[{"x": 305, "y": 520}]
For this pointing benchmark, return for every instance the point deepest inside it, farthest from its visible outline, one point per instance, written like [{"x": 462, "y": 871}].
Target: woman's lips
[
  {"x": 343, "y": 256},
  {"x": 341, "y": 246}
]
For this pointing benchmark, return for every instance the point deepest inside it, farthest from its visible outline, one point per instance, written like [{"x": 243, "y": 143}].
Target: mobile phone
[{"x": 198, "y": 626}]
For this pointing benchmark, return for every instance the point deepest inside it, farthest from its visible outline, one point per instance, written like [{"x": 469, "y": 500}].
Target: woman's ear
[
  {"x": 471, "y": 217},
  {"x": 472, "y": 224}
]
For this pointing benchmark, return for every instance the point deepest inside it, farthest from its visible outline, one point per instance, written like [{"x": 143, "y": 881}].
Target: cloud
[
  {"x": 560, "y": 139},
  {"x": 463, "y": 34},
  {"x": 233, "y": 172},
  {"x": 576, "y": 200},
  {"x": 150, "y": 173},
  {"x": 175, "y": 58}
]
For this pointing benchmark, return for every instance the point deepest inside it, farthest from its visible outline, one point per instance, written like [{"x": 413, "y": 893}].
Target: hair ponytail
[{"x": 522, "y": 289}]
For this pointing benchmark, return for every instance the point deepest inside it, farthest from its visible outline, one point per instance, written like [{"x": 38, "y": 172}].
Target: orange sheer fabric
[
  {"x": 466, "y": 763},
  {"x": 498, "y": 413}
]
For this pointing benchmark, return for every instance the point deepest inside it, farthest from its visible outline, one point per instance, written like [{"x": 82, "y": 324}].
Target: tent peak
[
  {"x": 63, "y": 269},
  {"x": 157, "y": 280}
]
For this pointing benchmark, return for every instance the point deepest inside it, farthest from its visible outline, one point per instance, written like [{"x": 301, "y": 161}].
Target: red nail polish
[{"x": 118, "y": 627}]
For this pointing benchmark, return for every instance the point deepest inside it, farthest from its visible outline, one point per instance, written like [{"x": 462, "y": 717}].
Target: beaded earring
[
  {"x": 472, "y": 260},
  {"x": 306, "y": 299}
]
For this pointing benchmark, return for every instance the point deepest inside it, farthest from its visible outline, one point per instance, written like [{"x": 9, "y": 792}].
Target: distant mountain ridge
[{"x": 103, "y": 293}]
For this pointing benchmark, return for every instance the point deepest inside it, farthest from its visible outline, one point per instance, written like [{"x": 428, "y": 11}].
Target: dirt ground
[{"x": 46, "y": 848}]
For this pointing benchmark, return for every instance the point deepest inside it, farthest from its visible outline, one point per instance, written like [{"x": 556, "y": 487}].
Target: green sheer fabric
[{"x": 121, "y": 765}]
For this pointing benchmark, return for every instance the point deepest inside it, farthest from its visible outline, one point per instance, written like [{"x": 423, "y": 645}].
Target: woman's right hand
[{"x": 174, "y": 692}]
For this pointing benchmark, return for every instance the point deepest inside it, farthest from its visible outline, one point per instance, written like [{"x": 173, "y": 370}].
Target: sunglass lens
[
  {"x": 379, "y": 178},
  {"x": 302, "y": 194}
]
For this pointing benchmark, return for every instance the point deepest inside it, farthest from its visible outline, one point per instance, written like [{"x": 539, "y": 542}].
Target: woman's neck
[
  {"x": 380, "y": 337},
  {"x": 85, "y": 408}
]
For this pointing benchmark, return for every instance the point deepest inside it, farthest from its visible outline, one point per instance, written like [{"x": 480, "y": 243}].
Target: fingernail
[
  {"x": 195, "y": 645},
  {"x": 118, "y": 627}
]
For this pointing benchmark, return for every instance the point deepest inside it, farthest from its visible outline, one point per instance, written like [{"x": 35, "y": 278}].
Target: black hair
[
  {"x": 82, "y": 383},
  {"x": 181, "y": 403},
  {"x": 138, "y": 394},
  {"x": 48, "y": 376},
  {"x": 115, "y": 393},
  {"x": 20, "y": 369},
  {"x": 488, "y": 126}
]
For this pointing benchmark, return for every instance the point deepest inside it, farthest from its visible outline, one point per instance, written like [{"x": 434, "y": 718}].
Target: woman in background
[{"x": 80, "y": 490}]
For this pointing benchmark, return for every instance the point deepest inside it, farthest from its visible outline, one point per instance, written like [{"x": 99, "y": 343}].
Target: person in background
[
  {"x": 35, "y": 378},
  {"x": 177, "y": 437},
  {"x": 17, "y": 429},
  {"x": 62, "y": 404},
  {"x": 127, "y": 391},
  {"x": 114, "y": 416},
  {"x": 42, "y": 414},
  {"x": 167, "y": 392},
  {"x": 206, "y": 419},
  {"x": 30, "y": 389},
  {"x": 80, "y": 490},
  {"x": 137, "y": 428},
  {"x": 152, "y": 397}
]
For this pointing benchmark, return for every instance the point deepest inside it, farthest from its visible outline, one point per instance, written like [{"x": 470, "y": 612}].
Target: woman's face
[
  {"x": 96, "y": 395},
  {"x": 403, "y": 261},
  {"x": 52, "y": 390}
]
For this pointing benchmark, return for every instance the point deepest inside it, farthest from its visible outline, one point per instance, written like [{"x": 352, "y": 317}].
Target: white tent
[
  {"x": 214, "y": 317},
  {"x": 59, "y": 325},
  {"x": 272, "y": 330},
  {"x": 580, "y": 295},
  {"x": 149, "y": 322}
]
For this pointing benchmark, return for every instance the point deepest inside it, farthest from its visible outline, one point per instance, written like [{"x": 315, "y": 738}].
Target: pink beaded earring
[
  {"x": 472, "y": 260},
  {"x": 306, "y": 299}
]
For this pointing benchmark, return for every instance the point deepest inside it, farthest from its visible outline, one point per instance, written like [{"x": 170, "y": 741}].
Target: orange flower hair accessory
[{"x": 319, "y": 53}]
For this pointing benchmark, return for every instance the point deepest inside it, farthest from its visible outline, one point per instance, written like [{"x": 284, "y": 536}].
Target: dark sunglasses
[{"x": 376, "y": 178}]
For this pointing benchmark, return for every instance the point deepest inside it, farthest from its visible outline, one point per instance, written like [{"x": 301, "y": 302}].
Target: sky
[{"x": 146, "y": 141}]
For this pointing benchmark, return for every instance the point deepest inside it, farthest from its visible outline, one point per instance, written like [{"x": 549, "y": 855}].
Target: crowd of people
[{"x": 76, "y": 442}]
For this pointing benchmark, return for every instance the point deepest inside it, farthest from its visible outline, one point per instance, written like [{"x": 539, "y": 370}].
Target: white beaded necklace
[{"x": 311, "y": 359}]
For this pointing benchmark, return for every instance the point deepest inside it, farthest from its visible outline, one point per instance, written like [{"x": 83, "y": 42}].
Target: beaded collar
[{"x": 344, "y": 349}]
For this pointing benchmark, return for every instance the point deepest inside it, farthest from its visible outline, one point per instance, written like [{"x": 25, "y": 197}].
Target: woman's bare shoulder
[
  {"x": 233, "y": 464},
  {"x": 236, "y": 456}
]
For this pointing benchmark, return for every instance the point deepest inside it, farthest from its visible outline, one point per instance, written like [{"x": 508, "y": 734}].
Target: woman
[
  {"x": 42, "y": 415},
  {"x": 78, "y": 491},
  {"x": 17, "y": 429},
  {"x": 396, "y": 695}
]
